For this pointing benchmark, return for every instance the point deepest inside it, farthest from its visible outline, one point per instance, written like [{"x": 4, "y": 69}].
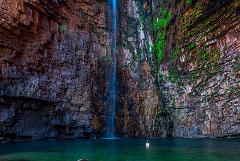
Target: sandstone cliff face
[
  {"x": 140, "y": 103},
  {"x": 207, "y": 104},
  {"x": 54, "y": 63},
  {"x": 190, "y": 52}
]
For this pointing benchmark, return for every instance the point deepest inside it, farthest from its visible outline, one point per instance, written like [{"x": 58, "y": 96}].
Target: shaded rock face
[
  {"x": 141, "y": 104},
  {"x": 54, "y": 58}
]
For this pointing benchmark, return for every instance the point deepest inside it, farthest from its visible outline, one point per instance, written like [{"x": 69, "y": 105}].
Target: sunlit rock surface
[{"x": 208, "y": 103}]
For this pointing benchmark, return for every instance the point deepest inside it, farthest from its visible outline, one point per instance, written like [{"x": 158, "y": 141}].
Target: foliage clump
[
  {"x": 238, "y": 67},
  {"x": 62, "y": 27},
  {"x": 159, "y": 29},
  {"x": 191, "y": 46},
  {"x": 174, "y": 54},
  {"x": 188, "y": 2}
]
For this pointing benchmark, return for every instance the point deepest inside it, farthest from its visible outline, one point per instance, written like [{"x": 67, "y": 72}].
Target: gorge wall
[
  {"x": 178, "y": 68},
  {"x": 54, "y": 65}
]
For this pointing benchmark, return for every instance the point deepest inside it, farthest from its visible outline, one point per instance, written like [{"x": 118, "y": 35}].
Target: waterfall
[{"x": 112, "y": 94}]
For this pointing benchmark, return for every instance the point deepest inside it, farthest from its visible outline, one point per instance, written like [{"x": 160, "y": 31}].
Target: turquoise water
[{"x": 122, "y": 150}]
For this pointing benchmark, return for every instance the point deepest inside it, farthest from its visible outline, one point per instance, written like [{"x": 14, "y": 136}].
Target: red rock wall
[
  {"x": 207, "y": 96},
  {"x": 55, "y": 53},
  {"x": 193, "y": 91},
  {"x": 140, "y": 102}
]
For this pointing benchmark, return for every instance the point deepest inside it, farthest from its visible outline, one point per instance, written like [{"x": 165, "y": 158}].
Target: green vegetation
[
  {"x": 234, "y": 90},
  {"x": 160, "y": 46},
  {"x": 198, "y": 6},
  {"x": 162, "y": 22},
  {"x": 174, "y": 54},
  {"x": 159, "y": 29},
  {"x": 238, "y": 67},
  {"x": 204, "y": 56},
  {"x": 188, "y": 2},
  {"x": 191, "y": 46},
  {"x": 188, "y": 19},
  {"x": 141, "y": 20},
  {"x": 193, "y": 76},
  {"x": 160, "y": 76},
  {"x": 62, "y": 28},
  {"x": 173, "y": 75}
]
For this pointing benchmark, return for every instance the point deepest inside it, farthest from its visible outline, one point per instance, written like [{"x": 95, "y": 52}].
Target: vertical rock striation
[
  {"x": 54, "y": 58},
  {"x": 141, "y": 104},
  {"x": 189, "y": 52},
  {"x": 206, "y": 56}
]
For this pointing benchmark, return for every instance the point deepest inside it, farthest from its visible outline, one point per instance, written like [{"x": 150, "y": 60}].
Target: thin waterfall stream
[{"x": 112, "y": 98}]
